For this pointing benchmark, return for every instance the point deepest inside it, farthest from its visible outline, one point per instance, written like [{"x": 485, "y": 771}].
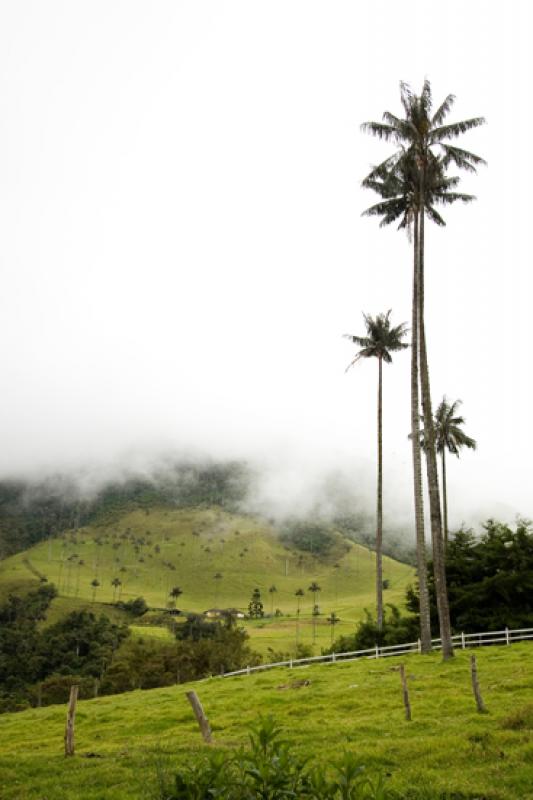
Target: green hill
[
  {"x": 129, "y": 746},
  {"x": 153, "y": 550}
]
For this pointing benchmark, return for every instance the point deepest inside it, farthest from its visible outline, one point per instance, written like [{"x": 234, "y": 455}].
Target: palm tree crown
[
  {"x": 414, "y": 177},
  {"x": 381, "y": 339},
  {"x": 448, "y": 433}
]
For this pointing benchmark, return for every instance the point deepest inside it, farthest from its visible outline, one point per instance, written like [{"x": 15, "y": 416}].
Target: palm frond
[
  {"x": 380, "y": 130},
  {"x": 447, "y": 198},
  {"x": 461, "y": 158},
  {"x": 434, "y": 216},
  {"x": 455, "y": 129},
  {"x": 443, "y": 110}
]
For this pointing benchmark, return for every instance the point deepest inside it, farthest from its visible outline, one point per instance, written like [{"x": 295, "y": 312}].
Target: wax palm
[
  {"x": 448, "y": 437},
  {"x": 381, "y": 340},
  {"x": 411, "y": 183}
]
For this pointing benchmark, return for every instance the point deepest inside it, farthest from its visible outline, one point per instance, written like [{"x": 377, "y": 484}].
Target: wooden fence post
[
  {"x": 71, "y": 714},
  {"x": 406, "y": 702},
  {"x": 201, "y": 718},
  {"x": 475, "y": 686}
]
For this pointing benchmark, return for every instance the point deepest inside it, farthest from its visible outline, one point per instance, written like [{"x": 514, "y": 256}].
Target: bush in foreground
[{"x": 270, "y": 770}]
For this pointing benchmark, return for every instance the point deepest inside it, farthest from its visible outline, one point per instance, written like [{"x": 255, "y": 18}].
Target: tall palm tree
[
  {"x": 314, "y": 588},
  {"x": 174, "y": 593},
  {"x": 411, "y": 183},
  {"x": 299, "y": 593},
  {"x": 333, "y": 619},
  {"x": 217, "y": 577},
  {"x": 381, "y": 340},
  {"x": 115, "y": 583},
  {"x": 95, "y": 583},
  {"x": 448, "y": 437},
  {"x": 272, "y": 591}
]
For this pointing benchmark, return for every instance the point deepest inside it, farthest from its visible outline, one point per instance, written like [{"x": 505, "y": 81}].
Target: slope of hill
[
  {"x": 129, "y": 746},
  {"x": 152, "y": 551}
]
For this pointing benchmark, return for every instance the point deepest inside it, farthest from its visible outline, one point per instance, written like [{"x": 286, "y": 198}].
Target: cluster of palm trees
[{"x": 412, "y": 184}]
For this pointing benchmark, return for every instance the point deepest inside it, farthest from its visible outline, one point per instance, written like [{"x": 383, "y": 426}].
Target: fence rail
[{"x": 461, "y": 640}]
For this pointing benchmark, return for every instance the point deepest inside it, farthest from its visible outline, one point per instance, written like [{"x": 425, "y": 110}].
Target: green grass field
[
  {"x": 151, "y": 553},
  {"x": 128, "y": 743}
]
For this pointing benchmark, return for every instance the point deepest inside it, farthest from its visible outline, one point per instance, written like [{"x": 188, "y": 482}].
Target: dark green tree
[
  {"x": 380, "y": 341},
  {"x": 411, "y": 183},
  {"x": 255, "y": 606},
  {"x": 490, "y": 579}
]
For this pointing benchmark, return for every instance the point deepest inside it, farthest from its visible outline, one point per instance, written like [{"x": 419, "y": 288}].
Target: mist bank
[
  {"x": 39, "y": 505},
  {"x": 279, "y": 488}
]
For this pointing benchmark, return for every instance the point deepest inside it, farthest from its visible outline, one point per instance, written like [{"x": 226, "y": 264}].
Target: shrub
[
  {"x": 270, "y": 770},
  {"x": 396, "y": 630}
]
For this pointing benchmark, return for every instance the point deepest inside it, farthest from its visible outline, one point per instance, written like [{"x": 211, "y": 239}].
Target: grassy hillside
[
  {"x": 128, "y": 742},
  {"x": 150, "y": 552}
]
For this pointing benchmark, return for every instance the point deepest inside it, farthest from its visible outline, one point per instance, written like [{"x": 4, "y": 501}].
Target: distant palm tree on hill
[
  {"x": 115, "y": 583},
  {"x": 272, "y": 592},
  {"x": 95, "y": 583},
  {"x": 174, "y": 593}
]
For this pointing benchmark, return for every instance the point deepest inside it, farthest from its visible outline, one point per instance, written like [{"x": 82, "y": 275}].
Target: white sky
[{"x": 182, "y": 247}]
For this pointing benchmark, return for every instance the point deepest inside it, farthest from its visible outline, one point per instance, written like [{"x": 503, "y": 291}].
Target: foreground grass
[{"x": 128, "y": 744}]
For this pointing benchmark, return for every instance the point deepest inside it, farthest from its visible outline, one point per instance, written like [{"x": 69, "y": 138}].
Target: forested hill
[{"x": 36, "y": 510}]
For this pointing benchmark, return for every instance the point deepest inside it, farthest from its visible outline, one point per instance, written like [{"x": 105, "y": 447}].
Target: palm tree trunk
[
  {"x": 421, "y": 558},
  {"x": 439, "y": 567},
  {"x": 444, "y": 499},
  {"x": 379, "y": 515}
]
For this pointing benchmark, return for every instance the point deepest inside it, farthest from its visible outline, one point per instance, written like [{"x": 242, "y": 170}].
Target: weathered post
[
  {"x": 71, "y": 714},
  {"x": 405, "y": 690},
  {"x": 475, "y": 686},
  {"x": 201, "y": 718}
]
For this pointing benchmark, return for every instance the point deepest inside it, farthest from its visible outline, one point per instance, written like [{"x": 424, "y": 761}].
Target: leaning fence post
[
  {"x": 405, "y": 690},
  {"x": 475, "y": 686},
  {"x": 71, "y": 714},
  {"x": 201, "y": 718},
  {"x": 463, "y": 641}
]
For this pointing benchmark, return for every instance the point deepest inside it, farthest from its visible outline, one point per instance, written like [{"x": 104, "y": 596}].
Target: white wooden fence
[{"x": 461, "y": 640}]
